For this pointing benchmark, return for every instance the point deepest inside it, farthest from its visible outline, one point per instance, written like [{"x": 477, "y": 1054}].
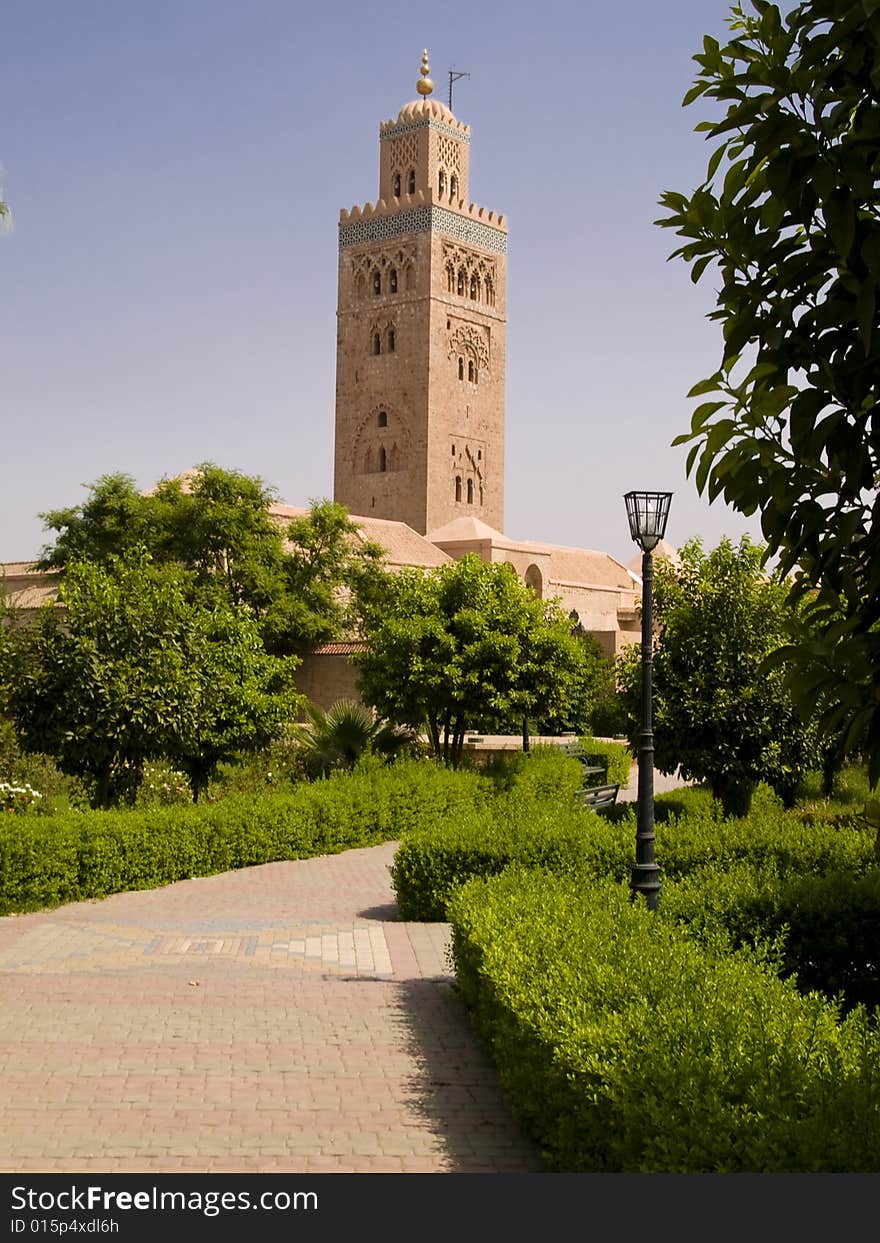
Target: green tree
[
  {"x": 113, "y": 520},
  {"x": 240, "y": 697},
  {"x": 331, "y": 575},
  {"x": 306, "y": 580},
  {"x": 717, "y": 716},
  {"x": 468, "y": 641},
  {"x": 131, "y": 669},
  {"x": 788, "y": 220}
]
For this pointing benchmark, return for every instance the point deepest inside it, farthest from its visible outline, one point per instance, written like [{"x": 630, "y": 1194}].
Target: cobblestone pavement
[{"x": 278, "y": 1018}]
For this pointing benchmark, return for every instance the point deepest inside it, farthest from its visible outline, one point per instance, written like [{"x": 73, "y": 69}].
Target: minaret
[{"x": 420, "y": 336}]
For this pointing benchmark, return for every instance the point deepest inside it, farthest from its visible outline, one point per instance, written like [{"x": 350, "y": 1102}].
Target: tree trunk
[
  {"x": 102, "y": 799},
  {"x": 526, "y": 741}
]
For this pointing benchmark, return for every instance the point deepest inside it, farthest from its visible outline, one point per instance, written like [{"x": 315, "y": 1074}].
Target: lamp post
[{"x": 647, "y": 513}]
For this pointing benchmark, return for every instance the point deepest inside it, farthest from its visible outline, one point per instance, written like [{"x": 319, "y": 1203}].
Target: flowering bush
[
  {"x": 19, "y": 798},
  {"x": 163, "y": 785}
]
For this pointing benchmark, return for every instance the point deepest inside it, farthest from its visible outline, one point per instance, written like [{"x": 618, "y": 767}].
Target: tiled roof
[
  {"x": 466, "y": 530},
  {"x": 339, "y": 649}
]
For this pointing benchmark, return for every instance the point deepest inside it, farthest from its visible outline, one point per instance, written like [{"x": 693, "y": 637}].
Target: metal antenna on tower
[{"x": 454, "y": 75}]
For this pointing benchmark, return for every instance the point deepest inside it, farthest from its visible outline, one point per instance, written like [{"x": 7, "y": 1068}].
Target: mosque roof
[
  {"x": 427, "y": 110},
  {"x": 403, "y": 546},
  {"x": 466, "y": 530}
]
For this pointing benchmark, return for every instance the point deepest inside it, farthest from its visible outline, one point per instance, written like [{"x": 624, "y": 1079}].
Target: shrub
[
  {"x": 48, "y": 860},
  {"x": 826, "y": 928},
  {"x": 559, "y": 834},
  {"x": 625, "y": 1045},
  {"x": 482, "y": 841},
  {"x": 18, "y": 798}
]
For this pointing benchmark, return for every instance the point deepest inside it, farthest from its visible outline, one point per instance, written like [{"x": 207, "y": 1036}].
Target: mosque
[{"x": 420, "y": 384}]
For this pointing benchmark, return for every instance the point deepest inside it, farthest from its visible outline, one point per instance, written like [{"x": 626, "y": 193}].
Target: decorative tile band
[
  {"x": 461, "y": 135},
  {"x": 422, "y": 220}
]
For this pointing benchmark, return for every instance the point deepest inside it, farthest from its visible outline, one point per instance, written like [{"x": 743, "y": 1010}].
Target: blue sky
[{"x": 176, "y": 170}]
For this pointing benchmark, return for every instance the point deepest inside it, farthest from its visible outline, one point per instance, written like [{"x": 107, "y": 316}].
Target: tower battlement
[{"x": 421, "y": 198}]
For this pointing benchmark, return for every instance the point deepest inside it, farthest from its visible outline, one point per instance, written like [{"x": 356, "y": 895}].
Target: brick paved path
[{"x": 273, "y": 1019}]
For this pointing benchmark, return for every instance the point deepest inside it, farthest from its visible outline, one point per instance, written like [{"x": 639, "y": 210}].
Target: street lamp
[{"x": 647, "y": 513}]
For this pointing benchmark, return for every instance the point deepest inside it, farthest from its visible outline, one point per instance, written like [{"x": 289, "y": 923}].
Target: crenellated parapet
[{"x": 421, "y": 198}]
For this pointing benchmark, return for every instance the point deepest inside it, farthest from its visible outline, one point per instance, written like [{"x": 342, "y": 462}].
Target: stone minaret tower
[{"x": 420, "y": 338}]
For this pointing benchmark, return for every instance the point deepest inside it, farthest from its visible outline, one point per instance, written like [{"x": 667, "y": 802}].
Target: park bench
[
  {"x": 598, "y": 797},
  {"x": 576, "y": 751}
]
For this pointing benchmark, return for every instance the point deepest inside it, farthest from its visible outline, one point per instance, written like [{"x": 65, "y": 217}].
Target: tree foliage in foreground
[
  {"x": 133, "y": 670},
  {"x": 717, "y": 716},
  {"x": 788, "y": 222},
  {"x": 304, "y": 580},
  {"x": 467, "y": 642}
]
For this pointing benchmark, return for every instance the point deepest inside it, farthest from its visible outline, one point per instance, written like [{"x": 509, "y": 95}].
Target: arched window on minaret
[
  {"x": 410, "y": 277},
  {"x": 377, "y": 283},
  {"x": 395, "y": 457},
  {"x": 472, "y": 371},
  {"x": 490, "y": 292},
  {"x": 441, "y": 183},
  {"x": 392, "y": 280},
  {"x": 391, "y": 340},
  {"x": 396, "y": 185},
  {"x": 361, "y": 285},
  {"x": 382, "y": 420},
  {"x": 450, "y": 278},
  {"x": 383, "y": 459},
  {"x": 475, "y": 288},
  {"x": 461, "y": 280},
  {"x": 453, "y": 187},
  {"x": 461, "y": 369},
  {"x": 458, "y": 487},
  {"x": 470, "y": 492},
  {"x": 411, "y": 182},
  {"x": 377, "y": 343}
]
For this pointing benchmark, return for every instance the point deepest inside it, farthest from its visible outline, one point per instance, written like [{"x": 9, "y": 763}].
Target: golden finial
[{"x": 425, "y": 86}]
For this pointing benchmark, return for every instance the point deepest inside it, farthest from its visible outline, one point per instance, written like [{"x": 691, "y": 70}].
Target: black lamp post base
[{"x": 646, "y": 881}]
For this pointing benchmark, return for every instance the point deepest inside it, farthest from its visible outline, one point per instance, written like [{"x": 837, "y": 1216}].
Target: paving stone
[{"x": 253, "y": 1021}]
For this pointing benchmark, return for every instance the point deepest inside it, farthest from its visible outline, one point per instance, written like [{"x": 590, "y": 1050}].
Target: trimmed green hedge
[
  {"x": 623, "y": 1044},
  {"x": 431, "y": 863},
  {"x": 559, "y": 834},
  {"x": 825, "y": 929},
  {"x": 48, "y": 860}
]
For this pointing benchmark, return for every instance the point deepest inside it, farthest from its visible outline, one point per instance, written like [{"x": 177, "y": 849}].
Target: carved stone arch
[
  {"x": 373, "y": 434},
  {"x": 470, "y": 340}
]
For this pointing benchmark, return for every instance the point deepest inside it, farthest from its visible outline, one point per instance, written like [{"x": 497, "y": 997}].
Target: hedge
[
  {"x": 431, "y": 863},
  {"x": 558, "y": 834},
  {"x": 45, "y": 861},
  {"x": 625, "y": 1045},
  {"x": 825, "y": 930}
]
